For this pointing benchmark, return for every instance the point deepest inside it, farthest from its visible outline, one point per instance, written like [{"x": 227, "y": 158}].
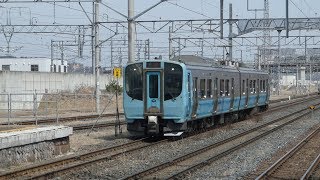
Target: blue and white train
[{"x": 171, "y": 97}]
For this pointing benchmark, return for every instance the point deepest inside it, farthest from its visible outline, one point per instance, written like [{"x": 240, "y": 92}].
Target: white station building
[{"x": 8, "y": 63}]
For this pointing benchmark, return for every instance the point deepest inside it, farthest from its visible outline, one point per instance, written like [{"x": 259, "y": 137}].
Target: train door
[
  {"x": 189, "y": 94},
  {"x": 258, "y": 91},
  {"x": 267, "y": 89},
  {"x": 153, "y": 104},
  {"x": 232, "y": 94},
  {"x": 195, "y": 97},
  {"x": 215, "y": 95},
  {"x": 247, "y": 92}
]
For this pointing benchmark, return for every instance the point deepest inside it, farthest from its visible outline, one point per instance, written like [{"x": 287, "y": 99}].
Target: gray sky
[{"x": 71, "y": 13}]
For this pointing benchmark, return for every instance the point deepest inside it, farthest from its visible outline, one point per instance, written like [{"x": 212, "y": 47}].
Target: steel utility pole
[
  {"x": 97, "y": 55},
  {"x": 131, "y": 31},
  {"x": 279, "y": 43},
  {"x": 230, "y": 32},
  {"x": 221, "y": 19},
  {"x": 132, "y": 28}
]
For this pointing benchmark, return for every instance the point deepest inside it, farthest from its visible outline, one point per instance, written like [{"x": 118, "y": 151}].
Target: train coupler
[{"x": 153, "y": 125}]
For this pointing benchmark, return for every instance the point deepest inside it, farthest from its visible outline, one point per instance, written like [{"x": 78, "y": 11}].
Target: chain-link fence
[{"x": 16, "y": 107}]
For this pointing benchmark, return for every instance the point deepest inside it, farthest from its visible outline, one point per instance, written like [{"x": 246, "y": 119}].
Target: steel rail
[
  {"x": 202, "y": 150},
  {"x": 289, "y": 154},
  {"x": 64, "y": 164},
  {"x": 282, "y": 106},
  {"x": 183, "y": 173},
  {"x": 61, "y": 119},
  {"x": 99, "y": 125},
  {"x": 311, "y": 168}
]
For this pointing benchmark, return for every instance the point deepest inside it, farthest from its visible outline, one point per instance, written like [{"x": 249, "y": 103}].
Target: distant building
[{"x": 9, "y": 63}]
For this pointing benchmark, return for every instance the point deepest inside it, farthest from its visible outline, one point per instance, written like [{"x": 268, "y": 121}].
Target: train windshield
[
  {"x": 133, "y": 82},
  {"x": 172, "y": 80}
]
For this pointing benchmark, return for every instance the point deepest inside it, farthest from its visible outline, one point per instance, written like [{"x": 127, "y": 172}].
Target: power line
[
  {"x": 310, "y": 7},
  {"x": 176, "y": 4},
  {"x": 298, "y": 8}
]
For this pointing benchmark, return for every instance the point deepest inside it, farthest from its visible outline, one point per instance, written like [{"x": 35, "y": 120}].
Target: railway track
[
  {"x": 296, "y": 163},
  {"x": 60, "y": 166},
  {"x": 64, "y": 165},
  {"x": 98, "y": 125},
  {"x": 62, "y": 119},
  {"x": 313, "y": 172},
  {"x": 291, "y": 103},
  {"x": 182, "y": 166}
]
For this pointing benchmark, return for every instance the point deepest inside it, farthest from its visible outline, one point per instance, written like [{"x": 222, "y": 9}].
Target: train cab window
[
  {"x": 243, "y": 87},
  {"x": 172, "y": 80},
  {"x": 264, "y": 85},
  {"x": 222, "y": 87},
  {"x": 254, "y": 88},
  {"x": 227, "y": 88},
  {"x": 209, "y": 90},
  {"x": 251, "y": 87},
  {"x": 133, "y": 81},
  {"x": 202, "y": 93},
  {"x": 261, "y": 86}
]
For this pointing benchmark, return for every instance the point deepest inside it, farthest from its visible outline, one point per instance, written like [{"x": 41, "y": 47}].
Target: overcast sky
[{"x": 71, "y": 13}]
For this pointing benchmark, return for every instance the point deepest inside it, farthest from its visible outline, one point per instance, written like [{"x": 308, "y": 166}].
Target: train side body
[{"x": 169, "y": 96}]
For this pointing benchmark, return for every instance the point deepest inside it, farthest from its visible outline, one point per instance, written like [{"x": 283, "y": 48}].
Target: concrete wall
[
  {"x": 41, "y": 82},
  {"x": 34, "y": 152},
  {"x": 22, "y": 85}
]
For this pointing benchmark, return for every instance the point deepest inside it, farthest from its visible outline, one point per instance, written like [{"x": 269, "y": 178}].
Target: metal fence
[{"x": 16, "y": 107}]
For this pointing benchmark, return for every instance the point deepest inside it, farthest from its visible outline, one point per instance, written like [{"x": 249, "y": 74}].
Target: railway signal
[{"x": 117, "y": 72}]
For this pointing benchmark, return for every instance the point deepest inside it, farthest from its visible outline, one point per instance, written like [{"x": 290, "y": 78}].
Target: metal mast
[
  {"x": 131, "y": 32},
  {"x": 266, "y": 36}
]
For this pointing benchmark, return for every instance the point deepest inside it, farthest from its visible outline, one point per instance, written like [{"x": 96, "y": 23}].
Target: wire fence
[{"x": 15, "y": 107}]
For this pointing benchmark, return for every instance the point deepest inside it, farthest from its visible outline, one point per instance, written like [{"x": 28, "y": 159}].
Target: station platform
[{"x": 20, "y": 144}]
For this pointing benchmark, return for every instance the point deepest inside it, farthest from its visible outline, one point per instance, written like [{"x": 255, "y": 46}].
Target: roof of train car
[{"x": 196, "y": 62}]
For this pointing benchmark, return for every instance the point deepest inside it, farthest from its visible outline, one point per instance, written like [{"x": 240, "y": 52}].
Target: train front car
[{"x": 154, "y": 97}]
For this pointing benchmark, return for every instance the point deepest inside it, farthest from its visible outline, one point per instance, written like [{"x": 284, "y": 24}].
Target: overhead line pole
[
  {"x": 131, "y": 32},
  {"x": 97, "y": 57},
  {"x": 132, "y": 27},
  {"x": 221, "y": 19},
  {"x": 230, "y": 32},
  {"x": 287, "y": 18}
]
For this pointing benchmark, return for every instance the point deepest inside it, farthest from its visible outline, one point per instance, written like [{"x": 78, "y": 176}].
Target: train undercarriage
[{"x": 156, "y": 126}]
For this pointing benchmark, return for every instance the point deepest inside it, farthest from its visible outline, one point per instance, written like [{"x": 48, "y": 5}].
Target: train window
[
  {"x": 222, "y": 87},
  {"x": 172, "y": 80},
  {"x": 215, "y": 87},
  {"x": 261, "y": 86},
  {"x": 264, "y": 85},
  {"x": 209, "y": 90},
  {"x": 243, "y": 87},
  {"x": 153, "y": 86},
  {"x": 254, "y": 86},
  {"x": 250, "y": 87},
  {"x": 227, "y": 89},
  {"x": 195, "y": 86},
  {"x": 267, "y": 85},
  {"x": 202, "y": 89},
  {"x": 133, "y": 81},
  {"x": 232, "y": 86}
]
